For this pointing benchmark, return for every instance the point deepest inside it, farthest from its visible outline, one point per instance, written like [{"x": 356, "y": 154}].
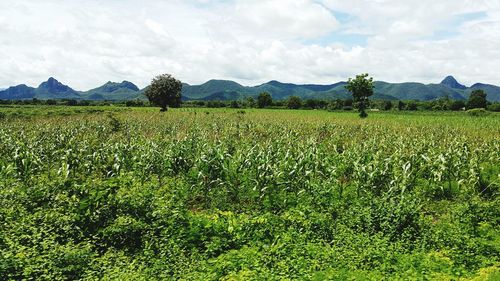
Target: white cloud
[{"x": 86, "y": 43}]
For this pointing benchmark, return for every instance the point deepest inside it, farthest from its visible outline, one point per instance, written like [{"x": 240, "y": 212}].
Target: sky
[{"x": 85, "y": 43}]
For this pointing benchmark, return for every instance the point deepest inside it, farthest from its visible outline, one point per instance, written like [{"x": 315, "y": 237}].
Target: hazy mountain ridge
[{"x": 230, "y": 90}]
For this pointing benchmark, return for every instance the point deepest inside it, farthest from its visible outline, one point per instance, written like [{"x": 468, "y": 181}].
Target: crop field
[{"x": 238, "y": 194}]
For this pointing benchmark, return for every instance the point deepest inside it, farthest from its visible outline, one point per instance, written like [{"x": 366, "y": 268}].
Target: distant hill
[
  {"x": 53, "y": 89},
  {"x": 230, "y": 90},
  {"x": 451, "y": 82},
  {"x": 227, "y": 90},
  {"x": 113, "y": 91},
  {"x": 18, "y": 92}
]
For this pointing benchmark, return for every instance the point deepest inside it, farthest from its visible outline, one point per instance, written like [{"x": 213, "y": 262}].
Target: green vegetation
[
  {"x": 264, "y": 100},
  {"x": 164, "y": 91},
  {"x": 245, "y": 194},
  {"x": 477, "y": 99},
  {"x": 294, "y": 102},
  {"x": 361, "y": 89}
]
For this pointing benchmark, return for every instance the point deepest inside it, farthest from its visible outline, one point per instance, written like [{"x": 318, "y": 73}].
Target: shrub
[
  {"x": 494, "y": 107},
  {"x": 477, "y": 112}
]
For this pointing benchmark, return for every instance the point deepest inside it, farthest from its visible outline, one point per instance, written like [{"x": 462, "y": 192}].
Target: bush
[
  {"x": 294, "y": 102},
  {"x": 387, "y": 105},
  {"x": 477, "y": 99},
  {"x": 477, "y": 112},
  {"x": 412, "y": 105},
  {"x": 494, "y": 107},
  {"x": 234, "y": 104},
  {"x": 457, "y": 105}
]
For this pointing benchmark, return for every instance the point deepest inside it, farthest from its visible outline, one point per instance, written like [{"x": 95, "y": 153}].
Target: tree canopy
[
  {"x": 164, "y": 91},
  {"x": 361, "y": 88},
  {"x": 294, "y": 102},
  {"x": 477, "y": 99},
  {"x": 264, "y": 100}
]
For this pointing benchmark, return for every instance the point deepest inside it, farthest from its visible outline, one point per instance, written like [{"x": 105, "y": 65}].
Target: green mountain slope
[
  {"x": 230, "y": 90},
  {"x": 113, "y": 91},
  {"x": 53, "y": 89}
]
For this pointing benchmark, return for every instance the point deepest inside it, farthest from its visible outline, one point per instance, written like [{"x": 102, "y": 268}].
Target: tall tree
[
  {"x": 361, "y": 88},
  {"x": 477, "y": 99},
  {"x": 264, "y": 100},
  {"x": 294, "y": 102},
  {"x": 164, "y": 91}
]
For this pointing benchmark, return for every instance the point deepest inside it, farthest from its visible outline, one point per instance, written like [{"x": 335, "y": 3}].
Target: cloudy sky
[{"x": 85, "y": 43}]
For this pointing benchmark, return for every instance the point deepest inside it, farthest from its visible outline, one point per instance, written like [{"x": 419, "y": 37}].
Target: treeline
[
  {"x": 265, "y": 100},
  {"x": 442, "y": 104},
  {"x": 72, "y": 102}
]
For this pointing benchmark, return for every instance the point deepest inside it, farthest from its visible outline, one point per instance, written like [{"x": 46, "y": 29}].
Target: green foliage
[
  {"x": 131, "y": 194},
  {"x": 457, "y": 105},
  {"x": 477, "y": 99},
  {"x": 477, "y": 112},
  {"x": 387, "y": 105},
  {"x": 401, "y": 105},
  {"x": 164, "y": 91},
  {"x": 361, "y": 88},
  {"x": 411, "y": 105},
  {"x": 494, "y": 107},
  {"x": 294, "y": 102},
  {"x": 264, "y": 99}
]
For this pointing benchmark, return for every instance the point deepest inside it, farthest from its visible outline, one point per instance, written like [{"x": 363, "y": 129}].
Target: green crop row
[{"x": 257, "y": 194}]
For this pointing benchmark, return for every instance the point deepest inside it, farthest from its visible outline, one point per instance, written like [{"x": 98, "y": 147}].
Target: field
[{"x": 198, "y": 194}]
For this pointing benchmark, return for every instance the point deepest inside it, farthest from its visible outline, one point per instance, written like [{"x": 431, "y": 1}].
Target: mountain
[
  {"x": 230, "y": 90},
  {"x": 18, "y": 92},
  {"x": 113, "y": 91},
  {"x": 53, "y": 89},
  {"x": 209, "y": 88},
  {"x": 451, "y": 82},
  {"x": 227, "y": 90},
  {"x": 417, "y": 91}
]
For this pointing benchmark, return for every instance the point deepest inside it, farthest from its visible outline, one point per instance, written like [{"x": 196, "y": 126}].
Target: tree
[
  {"x": 250, "y": 102},
  {"x": 164, "y": 91},
  {"x": 477, "y": 99},
  {"x": 312, "y": 104},
  {"x": 294, "y": 102},
  {"x": 71, "y": 102},
  {"x": 443, "y": 103},
  {"x": 412, "y": 105},
  {"x": 387, "y": 105},
  {"x": 264, "y": 100},
  {"x": 401, "y": 105},
  {"x": 361, "y": 88},
  {"x": 457, "y": 105},
  {"x": 234, "y": 104}
]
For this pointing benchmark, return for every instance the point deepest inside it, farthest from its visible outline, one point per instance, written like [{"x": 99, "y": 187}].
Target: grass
[{"x": 232, "y": 194}]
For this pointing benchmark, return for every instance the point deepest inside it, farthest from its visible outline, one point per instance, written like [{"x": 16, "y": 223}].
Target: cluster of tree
[
  {"x": 294, "y": 102},
  {"x": 477, "y": 99}
]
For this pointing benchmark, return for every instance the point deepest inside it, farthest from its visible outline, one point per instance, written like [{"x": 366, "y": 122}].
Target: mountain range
[{"x": 230, "y": 90}]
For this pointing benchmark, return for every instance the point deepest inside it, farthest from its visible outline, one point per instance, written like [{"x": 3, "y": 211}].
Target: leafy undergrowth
[{"x": 267, "y": 195}]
